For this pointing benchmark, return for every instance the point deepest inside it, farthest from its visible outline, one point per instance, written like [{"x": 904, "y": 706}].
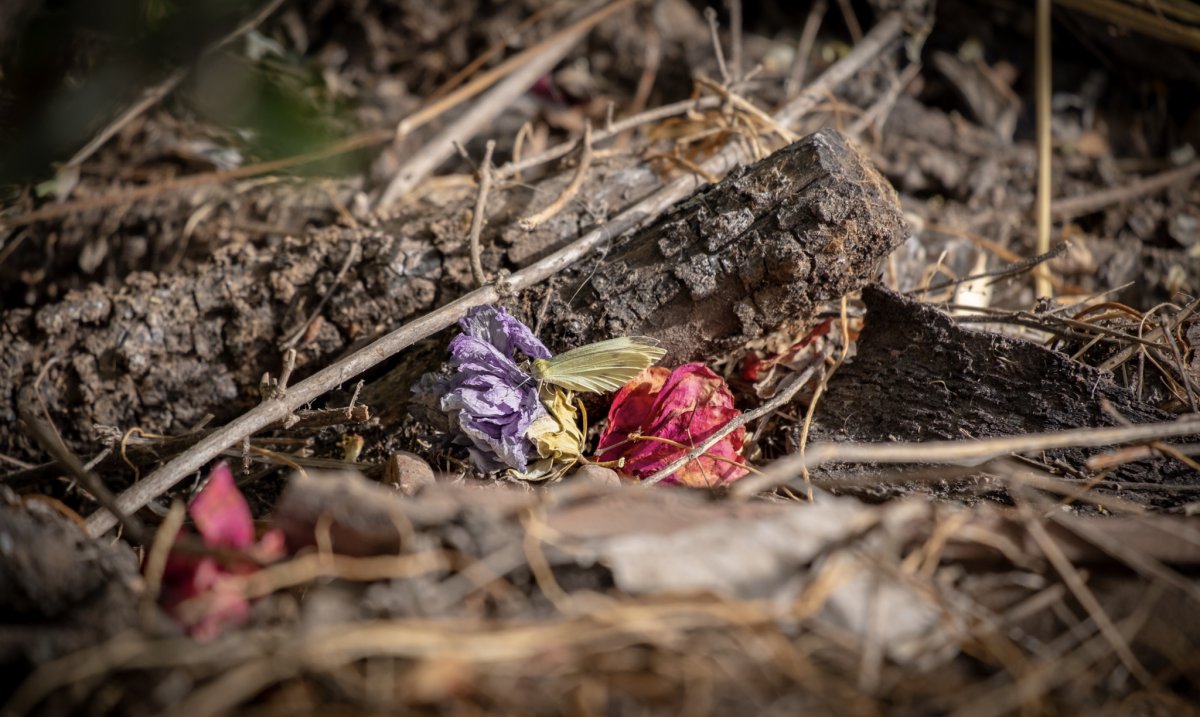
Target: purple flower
[
  {"x": 502, "y": 330},
  {"x": 489, "y": 401}
]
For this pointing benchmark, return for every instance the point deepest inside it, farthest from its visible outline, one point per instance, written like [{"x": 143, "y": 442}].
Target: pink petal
[
  {"x": 223, "y": 605},
  {"x": 686, "y": 408},
  {"x": 221, "y": 513},
  {"x": 630, "y": 408},
  {"x": 200, "y": 592},
  {"x": 270, "y": 547}
]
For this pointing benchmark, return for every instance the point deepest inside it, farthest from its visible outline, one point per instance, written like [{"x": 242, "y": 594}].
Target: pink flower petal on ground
[
  {"x": 221, "y": 513},
  {"x": 686, "y": 408},
  {"x": 629, "y": 409},
  {"x": 201, "y": 592}
]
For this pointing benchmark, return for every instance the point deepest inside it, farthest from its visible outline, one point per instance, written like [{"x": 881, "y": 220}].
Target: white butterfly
[{"x": 600, "y": 367}]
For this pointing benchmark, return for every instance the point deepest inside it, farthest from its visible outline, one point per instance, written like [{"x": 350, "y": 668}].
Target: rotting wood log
[
  {"x": 918, "y": 376},
  {"x": 757, "y": 252},
  {"x": 160, "y": 352}
]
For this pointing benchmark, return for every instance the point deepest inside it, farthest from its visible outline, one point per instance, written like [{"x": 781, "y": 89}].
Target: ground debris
[
  {"x": 589, "y": 580},
  {"x": 161, "y": 352}
]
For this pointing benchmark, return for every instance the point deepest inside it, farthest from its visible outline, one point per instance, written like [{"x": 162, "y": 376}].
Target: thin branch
[
  {"x": 548, "y": 46},
  {"x": 873, "y": 44},
  {"x": 44, "y": 433},
  {"x": 808, "y": 38},
  {"x": 55, "y": 211},
  {"x": 1095, "y": 201},
  {"x": 882, "y": 35},
  {"x": 882, "y": 107},
  {"x": 149, "y": 98},
  {"x": 496, "y": 49},
  {"x": 852, "y": 24},
  {"x": 522, "y": 71},
  {"x": 1004, "y": 272},
  {"x": 965, "y": 453},
  {"x": 485, "y": 186},
  {"x": 735, "y": 38},
  {"x": 651, "y": 61},
  {"x": 533, "y": 221},
  {"x": 710, "y": 15}
]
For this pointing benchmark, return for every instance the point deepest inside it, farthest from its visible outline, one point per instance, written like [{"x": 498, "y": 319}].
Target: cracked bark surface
[
  {"x": 919, "y": 376},
  {"x": 160, "y": 352},
  {"x": 759, "y": 251}
]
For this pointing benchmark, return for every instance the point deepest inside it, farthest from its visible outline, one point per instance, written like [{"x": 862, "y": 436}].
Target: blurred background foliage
[{"x": 68, "y": 67}]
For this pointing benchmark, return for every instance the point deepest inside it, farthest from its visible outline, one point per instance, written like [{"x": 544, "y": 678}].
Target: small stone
[
  {"x": 597, "y": 475},
  {"x": 408, "y": 472}
]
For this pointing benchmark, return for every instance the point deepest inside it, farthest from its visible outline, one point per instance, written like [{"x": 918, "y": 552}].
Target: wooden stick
[
  {"x": 485, "y": 186},
  {"x": 1095, "y": 201},
  {"x": 963, "y": 453},
  {"x": 808, "y": 38},
  {"x": 1044, "y": 148},
  {"x": 535, "y": 220},
  {"x": 522, "y": 71}
]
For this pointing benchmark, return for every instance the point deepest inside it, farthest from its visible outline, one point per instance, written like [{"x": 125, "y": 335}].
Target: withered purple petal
[
  {"x": 489, "y": 400},
  {"x": 502, "y": 330},
  {"x": 492, "y": 402}
]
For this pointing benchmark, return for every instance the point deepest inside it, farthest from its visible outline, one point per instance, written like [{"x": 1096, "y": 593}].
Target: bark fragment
[
  {"x": 918, "y": 376},
  {"x": 757, "y": 252}
]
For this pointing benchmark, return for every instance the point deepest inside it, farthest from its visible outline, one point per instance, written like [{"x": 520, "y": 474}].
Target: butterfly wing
[{"x": 601, "y": 367}]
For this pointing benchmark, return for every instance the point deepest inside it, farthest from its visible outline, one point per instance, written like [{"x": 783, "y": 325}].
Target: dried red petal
[
  {"x": 752, "y": 365},
  {"x": 221, "y": 513},
  {"x": 685, "y": 409},
  {"x": 630, "y": 407},
  {"x": 201, "y": 592}
]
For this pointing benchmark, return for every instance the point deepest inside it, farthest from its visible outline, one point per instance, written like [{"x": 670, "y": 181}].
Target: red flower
[
  {"x": 684, "y": 406},
  {"x": 200, "y": 592}
]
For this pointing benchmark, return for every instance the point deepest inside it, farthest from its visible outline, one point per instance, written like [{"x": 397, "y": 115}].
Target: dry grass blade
[
  {"x": 1083, "y": 594},
  {"x": 533, "y": 221},
  {"x": 1045, "y": 150}
]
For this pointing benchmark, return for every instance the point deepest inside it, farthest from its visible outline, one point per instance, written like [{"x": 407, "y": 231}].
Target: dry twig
[
  {"x": 522, "y": 71},
  {"x": 808, "y": 37},
  {"x": 535, "y": 220},
  {"x": 1095, "y": 201},
  {"x": 485, "y": 186},
  {"x": 967, "y": 453}
]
